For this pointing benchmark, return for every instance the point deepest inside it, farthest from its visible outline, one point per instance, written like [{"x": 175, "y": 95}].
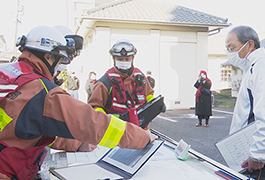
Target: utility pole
[{"x": 19, "y": 14}]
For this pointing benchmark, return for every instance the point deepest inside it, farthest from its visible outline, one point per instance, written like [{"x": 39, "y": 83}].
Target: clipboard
[
  {"x": 235, "y": 147},
  {"x": 117, "y": 163},
  {"x": 148, "y": 112}
]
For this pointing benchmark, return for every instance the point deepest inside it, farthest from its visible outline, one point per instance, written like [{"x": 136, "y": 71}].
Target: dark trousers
[
  {"x": 203, "y": 117},
  {"x": 257, "y": 174}
]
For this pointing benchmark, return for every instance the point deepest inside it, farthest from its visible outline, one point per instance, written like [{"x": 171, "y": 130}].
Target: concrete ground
[{"x": 180, "y": 124}]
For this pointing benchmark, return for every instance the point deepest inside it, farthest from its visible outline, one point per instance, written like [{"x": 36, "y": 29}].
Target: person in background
[
  {"x": 59, "y": 81},
  {"x": 203, "y": 100},
  {"x": 150, "y": 79},
  {"x": 73, "y": 84},
  {"x": 123, "y": 88},
  {"x": 243, "y": 49},
  {"x": 90, "y": 83},
  {"x": 34, "y": 110}
]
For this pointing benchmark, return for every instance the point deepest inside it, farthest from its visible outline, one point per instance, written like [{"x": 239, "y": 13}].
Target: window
[{"x": 226, "y": 73}]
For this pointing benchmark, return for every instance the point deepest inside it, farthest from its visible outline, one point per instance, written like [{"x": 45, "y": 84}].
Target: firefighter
[
  {"x": 34, "y": 110},
  {"x": 123, "y": 87}
]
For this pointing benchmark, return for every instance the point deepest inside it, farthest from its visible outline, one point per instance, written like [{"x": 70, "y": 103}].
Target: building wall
[
  {"x": 214, "y": 72},
  {"x": 174, "y": 57},
  {"x": 74, "y": 9}
]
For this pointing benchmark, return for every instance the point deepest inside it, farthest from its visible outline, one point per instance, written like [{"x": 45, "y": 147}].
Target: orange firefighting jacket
[{"x": 35, "y": 111}]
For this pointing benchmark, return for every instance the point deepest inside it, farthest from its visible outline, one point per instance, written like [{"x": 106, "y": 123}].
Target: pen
[
  {"x": 246, "y": 165},
  {"x": 226, "y": 175}
]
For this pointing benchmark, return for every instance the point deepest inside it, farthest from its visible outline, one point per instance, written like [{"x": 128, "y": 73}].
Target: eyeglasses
[{"x": 230, "y": 49}]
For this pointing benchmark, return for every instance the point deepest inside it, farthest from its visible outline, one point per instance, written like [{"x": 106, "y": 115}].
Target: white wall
[{"x": 214, "y": 73}]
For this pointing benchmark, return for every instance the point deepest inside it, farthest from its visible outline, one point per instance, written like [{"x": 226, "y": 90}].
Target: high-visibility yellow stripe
[
  {"x": 149, "y": 97},
  {"x": 113, "y": 133},
  {"x": 116, "y": 115},
  {"x": 53, "y": 141},
  {"x": 110, "y": 89},
  {"x": 100, "y": 109},
  {"x": 4, "y": 119},
  {"x": 44, "y": 85}
]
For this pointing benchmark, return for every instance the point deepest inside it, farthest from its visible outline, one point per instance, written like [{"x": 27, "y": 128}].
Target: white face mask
[
  {"x": 58, "y": 68},
  {"x": 61, "y": 67},
  {"x": 234, "y": 57},
  {"x": 124, "y": 65},
  {"x": 55, "y": 70},
  {"x": 93, "y": 76}
]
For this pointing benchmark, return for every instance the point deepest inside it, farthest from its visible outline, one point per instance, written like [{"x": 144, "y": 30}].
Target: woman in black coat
[{"x": 203, "y": 100}]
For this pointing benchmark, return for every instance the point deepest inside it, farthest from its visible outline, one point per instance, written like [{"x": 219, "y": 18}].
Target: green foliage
[
  {"x": 222, "y": 95},
  {"x": 223, "y": 99},
  {"x": 223, "y": 104}
]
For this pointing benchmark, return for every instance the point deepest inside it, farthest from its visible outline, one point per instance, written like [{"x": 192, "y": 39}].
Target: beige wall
[{"x": 174, "y": 57}]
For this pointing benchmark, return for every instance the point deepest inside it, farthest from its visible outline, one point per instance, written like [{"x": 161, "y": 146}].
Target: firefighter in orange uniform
[
  {"x": 34, "y": 110},
  {"x": 123, "y": 87}
]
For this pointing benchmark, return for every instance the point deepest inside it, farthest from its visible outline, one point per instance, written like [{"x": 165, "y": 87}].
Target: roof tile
[{"x": 153, "y": 10}]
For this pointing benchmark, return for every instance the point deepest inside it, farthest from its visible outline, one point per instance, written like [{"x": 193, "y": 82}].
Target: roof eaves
[{"x": 160, "y": 22}]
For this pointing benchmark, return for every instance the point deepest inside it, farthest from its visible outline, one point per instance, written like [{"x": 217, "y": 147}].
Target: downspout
[{"x": 214, "y": 31}]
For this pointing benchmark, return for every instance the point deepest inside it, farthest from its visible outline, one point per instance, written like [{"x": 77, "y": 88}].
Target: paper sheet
[
  {"x": 63, "y": 159},
  {"x": 172, "y": 168},
  {"x": 86, "y": 157},
  {"x": 85, "y": 172},
  {"x": 235, "y": 148}
]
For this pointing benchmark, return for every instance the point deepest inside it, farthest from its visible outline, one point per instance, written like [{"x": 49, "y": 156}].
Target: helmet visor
[
  {"x": 123, "y": 49},
  {"x": 65, "y": 60}
]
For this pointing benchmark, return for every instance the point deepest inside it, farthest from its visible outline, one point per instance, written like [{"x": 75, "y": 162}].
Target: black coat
[{"x": 204, "y": 106}]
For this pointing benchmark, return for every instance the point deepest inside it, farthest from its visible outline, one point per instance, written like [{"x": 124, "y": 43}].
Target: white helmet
[{"x": 46, "y": 39}]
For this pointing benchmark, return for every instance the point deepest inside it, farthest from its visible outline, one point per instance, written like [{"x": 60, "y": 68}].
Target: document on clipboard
[
  {"x": 235, "y": 147},
  {"x": 148, "y": 112},
  {"x": 117, "y": 163}
]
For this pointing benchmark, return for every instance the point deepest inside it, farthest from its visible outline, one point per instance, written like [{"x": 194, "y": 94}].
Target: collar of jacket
[
  {"x": 36, "y": 63},
  {"x": 256, "y": 55}
]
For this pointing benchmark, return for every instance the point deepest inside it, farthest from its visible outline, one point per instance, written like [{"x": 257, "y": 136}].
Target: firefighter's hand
[
  {"x": 85, "y": 147},
  {"x": 152, "y": 136}
]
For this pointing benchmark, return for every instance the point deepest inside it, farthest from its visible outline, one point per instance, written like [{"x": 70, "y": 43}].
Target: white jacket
[{"x": 254, "y": 81}]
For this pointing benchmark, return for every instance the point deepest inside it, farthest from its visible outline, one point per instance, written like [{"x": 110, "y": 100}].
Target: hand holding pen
[{"x": 252, "y": 165}]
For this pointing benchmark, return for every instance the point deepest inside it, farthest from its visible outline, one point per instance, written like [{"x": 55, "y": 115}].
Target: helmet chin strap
[
  {"x": 51, "y": 67},
  {"x": 55, "y": 62}
]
